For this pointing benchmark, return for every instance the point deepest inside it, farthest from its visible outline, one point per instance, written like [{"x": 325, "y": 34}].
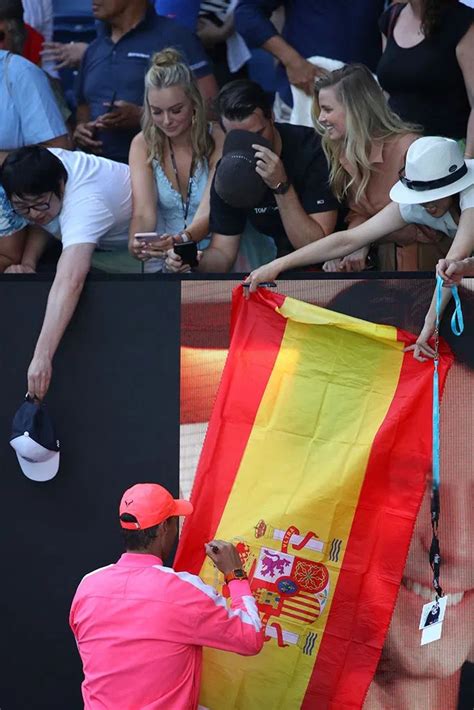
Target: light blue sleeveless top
[
  {"x": 170, "y": 212},
  {"x": 10, "y": 221}
]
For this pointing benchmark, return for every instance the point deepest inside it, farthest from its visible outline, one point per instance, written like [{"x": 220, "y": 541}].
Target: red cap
[{"x": 150, "y": 504}]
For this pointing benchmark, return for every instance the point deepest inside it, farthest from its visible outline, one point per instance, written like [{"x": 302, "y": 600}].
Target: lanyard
[
  {"x": 184, "y": 204},
  {"x": 457, "y": 326}
]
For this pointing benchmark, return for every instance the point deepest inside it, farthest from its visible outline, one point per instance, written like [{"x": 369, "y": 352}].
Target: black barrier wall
[{"x": 115, "y": 401}]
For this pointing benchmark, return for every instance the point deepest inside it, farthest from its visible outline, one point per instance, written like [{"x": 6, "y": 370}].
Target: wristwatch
[
  {"x": 235, "y": 574},
  {"x": 282, "y": 188}
]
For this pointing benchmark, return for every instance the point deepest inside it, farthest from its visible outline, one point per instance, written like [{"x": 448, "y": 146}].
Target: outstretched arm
[
  {"x": 451, "y": 269},
  {"x": 333, "y": 246},
  {"x": 252, "y": 18},
  {"x": 465, "y": 57},
  {"x": 72, "y": 270}
]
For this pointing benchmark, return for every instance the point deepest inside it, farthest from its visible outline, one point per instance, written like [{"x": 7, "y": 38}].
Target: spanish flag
[{"x": 315, "y": 462}]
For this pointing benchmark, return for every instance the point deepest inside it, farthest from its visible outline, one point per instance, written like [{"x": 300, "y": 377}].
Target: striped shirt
[{"x": 214, "y": 7}]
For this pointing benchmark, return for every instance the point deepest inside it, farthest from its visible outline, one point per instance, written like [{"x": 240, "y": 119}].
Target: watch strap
[
  {"x": 282, "y": 187},
  {"x": 236, "y": 574}
]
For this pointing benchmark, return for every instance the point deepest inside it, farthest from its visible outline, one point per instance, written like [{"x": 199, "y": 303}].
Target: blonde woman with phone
[{"x": 172, "y": 161}]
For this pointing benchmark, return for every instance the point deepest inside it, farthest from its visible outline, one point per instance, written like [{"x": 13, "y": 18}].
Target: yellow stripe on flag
[{"x": 303, "y": 466}]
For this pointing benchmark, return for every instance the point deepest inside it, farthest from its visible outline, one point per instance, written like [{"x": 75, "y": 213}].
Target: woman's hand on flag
[
  {"x": 422, "y": 350},
  {"x": 264, "y": 274}
]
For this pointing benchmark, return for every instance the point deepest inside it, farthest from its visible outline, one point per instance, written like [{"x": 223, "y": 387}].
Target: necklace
[{"x": 184, "y": 203}]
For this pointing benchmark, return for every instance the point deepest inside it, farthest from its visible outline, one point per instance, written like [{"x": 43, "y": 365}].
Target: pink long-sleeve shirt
[{"x": 140, "y": 628}]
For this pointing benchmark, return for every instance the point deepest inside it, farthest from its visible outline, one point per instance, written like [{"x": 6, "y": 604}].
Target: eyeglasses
[{"x": 24, "y": 209}]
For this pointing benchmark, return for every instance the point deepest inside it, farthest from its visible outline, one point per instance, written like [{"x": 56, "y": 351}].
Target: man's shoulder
[
  {"x": 192, "y": 586},
  {"x": 159, "y": 27},
  {"x": 301, "y": 148},
  {"x": 17, "y": 65},
  {"x": 153, "y": 21},
  {"x": 86, "y": 165},
  {"x": 295, "y": 136},
  {"x": 93, "y": 577},
  {"x": 187, "y": 579}
]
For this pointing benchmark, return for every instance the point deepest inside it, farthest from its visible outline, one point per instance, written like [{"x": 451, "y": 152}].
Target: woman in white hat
[{"x": 436, "y": 188}]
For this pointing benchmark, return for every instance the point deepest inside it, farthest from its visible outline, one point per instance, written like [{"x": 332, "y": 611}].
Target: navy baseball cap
[
  {"x": 236, "y": 181},
  {"x": 34, "y": 440}
]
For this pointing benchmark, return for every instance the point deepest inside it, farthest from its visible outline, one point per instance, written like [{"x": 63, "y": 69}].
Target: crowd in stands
[{"x": 159, "y": 146}]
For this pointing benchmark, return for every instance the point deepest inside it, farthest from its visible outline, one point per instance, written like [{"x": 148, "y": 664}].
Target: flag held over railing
[{"x": 314, "y": 465}]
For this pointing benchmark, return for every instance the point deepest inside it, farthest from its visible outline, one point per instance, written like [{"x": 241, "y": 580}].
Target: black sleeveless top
[{"x": 425, "y": 82}]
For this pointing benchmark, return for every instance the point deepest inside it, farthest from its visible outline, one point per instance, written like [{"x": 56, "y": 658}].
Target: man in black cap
[{"x": 274, "y": 175}]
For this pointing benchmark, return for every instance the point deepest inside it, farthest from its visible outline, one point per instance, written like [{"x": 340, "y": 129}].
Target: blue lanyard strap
[
  {"x": 457, "y": 326},
  {"x": 457, "y": 320}
]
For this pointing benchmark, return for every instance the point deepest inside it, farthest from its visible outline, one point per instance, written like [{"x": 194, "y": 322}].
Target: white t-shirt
[
  {"x": 97, "y": 201},
  {"x": 416, "y": 214}
]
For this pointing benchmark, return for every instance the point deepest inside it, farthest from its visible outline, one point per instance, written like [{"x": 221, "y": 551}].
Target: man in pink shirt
[{"x": 140, "y": 627}]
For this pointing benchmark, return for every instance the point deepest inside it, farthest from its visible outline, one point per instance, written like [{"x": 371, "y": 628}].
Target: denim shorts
[{"x": 10, "y": 222}]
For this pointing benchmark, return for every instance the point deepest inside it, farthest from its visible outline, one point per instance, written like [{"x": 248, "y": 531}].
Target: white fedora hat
[{"x": 434, "y": 168}]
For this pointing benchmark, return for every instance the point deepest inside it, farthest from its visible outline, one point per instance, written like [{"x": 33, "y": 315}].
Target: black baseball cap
[
  {"x": 34, "y": 439},
  {"x": 236, "y": 181}
]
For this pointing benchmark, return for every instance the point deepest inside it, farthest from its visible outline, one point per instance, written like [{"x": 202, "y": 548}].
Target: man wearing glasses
[{"x": 83, "y": 200}]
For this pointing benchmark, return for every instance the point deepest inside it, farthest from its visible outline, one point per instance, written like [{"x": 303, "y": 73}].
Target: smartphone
[
  {"x": 148, "y": 236},
  {"x": 187, "y": 252},
  {"x": 263, "y": 284}
]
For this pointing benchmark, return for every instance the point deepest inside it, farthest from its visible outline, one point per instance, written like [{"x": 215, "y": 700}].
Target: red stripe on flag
[
  {"x": 305, "y": 618},
  {"x": 381, "y": 531},
  {"x": 229, "y": 430},
  {"x": 301, "y": 603}
]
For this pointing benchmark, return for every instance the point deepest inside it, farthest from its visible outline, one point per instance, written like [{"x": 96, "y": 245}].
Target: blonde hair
[
  {"x": 368, "y": 119},
  {"x": 168, "y": 69}
]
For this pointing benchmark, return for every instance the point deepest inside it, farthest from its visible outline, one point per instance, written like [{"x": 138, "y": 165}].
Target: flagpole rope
[{"x": 457, "y": 326}]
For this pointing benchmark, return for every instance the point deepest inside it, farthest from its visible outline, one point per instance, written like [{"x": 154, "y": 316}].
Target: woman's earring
[{"x": 193, "y": 119}]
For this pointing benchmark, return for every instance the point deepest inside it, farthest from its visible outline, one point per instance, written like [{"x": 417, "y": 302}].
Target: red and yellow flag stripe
[{"x": 315, "y": 464}]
